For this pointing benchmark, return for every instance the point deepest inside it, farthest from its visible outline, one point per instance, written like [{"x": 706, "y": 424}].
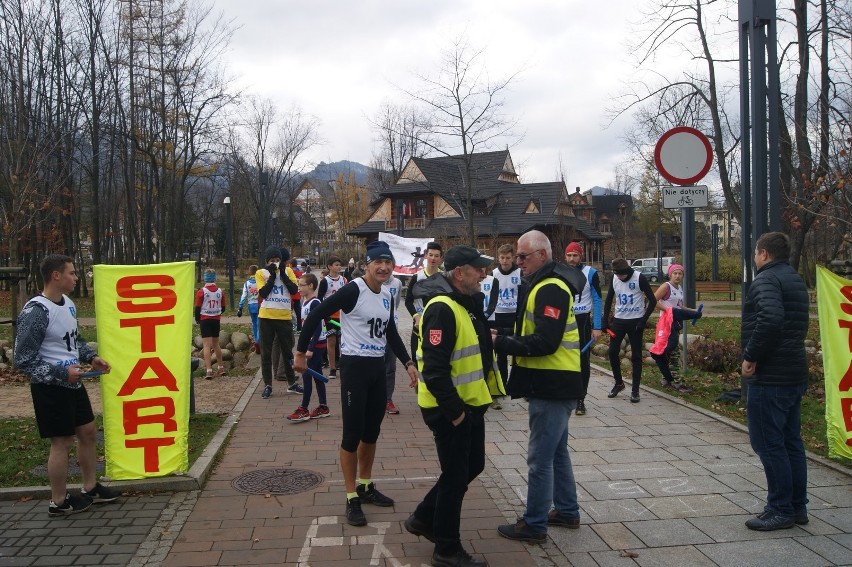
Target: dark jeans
[
  {"x": 774, "y": 429},
  {"x": 270, "y": 329},
  {"x": 584, "y": 325},
  {"x": 308, "y": 381},
  {"x": 297, "y": 311},
  {"x": 461, "y": 452},
  {"x": 507, "y": 321},
  {"x": 622, "y": 327}
]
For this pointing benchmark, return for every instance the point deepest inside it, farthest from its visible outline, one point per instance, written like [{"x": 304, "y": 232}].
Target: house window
[
  {"x": 605, "y": 227},
  {"x": 420, "y": 208}
]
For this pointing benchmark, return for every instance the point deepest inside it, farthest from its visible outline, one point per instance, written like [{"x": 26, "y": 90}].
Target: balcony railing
[{"x": 408, "y": 224}]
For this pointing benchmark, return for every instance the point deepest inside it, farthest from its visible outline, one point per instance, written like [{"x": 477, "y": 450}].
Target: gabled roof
[
  {"x": 490, "y": 172},
  {"x": 324, "y": 187}
]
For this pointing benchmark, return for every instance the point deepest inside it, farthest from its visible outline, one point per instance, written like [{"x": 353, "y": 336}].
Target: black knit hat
[
  {"x": 378, "y": 250},
  {"x": 272, "y": 252}
]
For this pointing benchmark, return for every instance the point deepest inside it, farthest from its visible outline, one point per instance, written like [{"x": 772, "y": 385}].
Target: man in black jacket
[
  {"x": 546, "y": 371},
  {"x": 455, "y": 358},
  {"x": 775, "y": 323}
]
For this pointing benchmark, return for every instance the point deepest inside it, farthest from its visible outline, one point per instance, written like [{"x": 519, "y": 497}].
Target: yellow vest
[
  {"x": 567, "y": 356},
  {"x": 466, "y": 370}
]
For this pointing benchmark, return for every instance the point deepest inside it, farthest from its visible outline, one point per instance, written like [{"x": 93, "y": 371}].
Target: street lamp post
[
  {"x": 622, "y": 210},
  {"x": 229, "y": 237}
]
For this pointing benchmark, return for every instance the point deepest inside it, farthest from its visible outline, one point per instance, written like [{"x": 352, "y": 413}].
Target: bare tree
[
  {"x": 268, "y": 141},
  {"x": 401, "y": 134},
  {"x": 465, "y": 114},
  {"x": 815, "y": 105}
]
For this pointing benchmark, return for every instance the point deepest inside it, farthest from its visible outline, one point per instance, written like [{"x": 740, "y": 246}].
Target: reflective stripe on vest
[
  {"x": 466, "y": 369},
  {"x": 567, "y": 356}
]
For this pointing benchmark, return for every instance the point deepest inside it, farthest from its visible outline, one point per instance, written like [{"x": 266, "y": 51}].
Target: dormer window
[{"x": 534, "y": 207}]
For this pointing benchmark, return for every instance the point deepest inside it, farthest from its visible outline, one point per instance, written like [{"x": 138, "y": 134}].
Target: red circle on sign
[{"x": 667, "y": 170}]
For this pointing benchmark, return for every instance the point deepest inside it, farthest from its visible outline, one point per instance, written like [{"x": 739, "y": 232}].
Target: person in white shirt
[
  {"x": 508, "y": 277},
  {"x": 634, "y": 302}
]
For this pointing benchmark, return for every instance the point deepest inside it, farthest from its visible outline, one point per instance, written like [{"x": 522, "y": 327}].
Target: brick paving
[{"x": 661, "y": 481}]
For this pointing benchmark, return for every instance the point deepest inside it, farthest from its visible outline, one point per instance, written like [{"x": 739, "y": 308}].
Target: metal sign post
[{"x": 683, "y": 156}]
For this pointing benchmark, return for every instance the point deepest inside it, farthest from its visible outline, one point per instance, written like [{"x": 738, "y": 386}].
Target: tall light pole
[
  {"x": 622, "y": 209},
  {"x": 229, "y": 238}
]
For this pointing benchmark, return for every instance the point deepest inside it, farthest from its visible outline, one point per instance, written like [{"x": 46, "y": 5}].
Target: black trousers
[
  {"x": 461, "y": 452},
  {"x": 584, "y": 325},
  {"x": 628, "y": 327}
]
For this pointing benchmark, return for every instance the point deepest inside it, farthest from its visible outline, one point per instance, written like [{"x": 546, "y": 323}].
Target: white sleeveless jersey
[
  {"x": 211, "y": 302},
  {"x": 485, "y": 286},
  {"x": 508, "y": 284},
  {"x": 584, "y": 304},
  {"x": 59, "y": 346},
  {"x": 279, "y": 298},
  {"x": 363, "y": 329},
  {"x": 629, "y": 299},
  {"x": 418, "y": 302},
  {"x": 333, "y": 285},
  {"x": 306, "y": 309},
  {"x": 675, "y": 297},
  {"x": 394, "y": 286}
]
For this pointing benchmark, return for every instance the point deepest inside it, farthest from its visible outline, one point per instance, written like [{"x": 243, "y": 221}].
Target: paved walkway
[{"x": 660, "y": 483}]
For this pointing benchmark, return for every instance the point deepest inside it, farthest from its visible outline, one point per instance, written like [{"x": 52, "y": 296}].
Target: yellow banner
[
  {"x": 834, "y": 303},
  {"x": 144, "y": 322}
]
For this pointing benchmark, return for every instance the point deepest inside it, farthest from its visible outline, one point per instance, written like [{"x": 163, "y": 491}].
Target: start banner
[
  {"x": 144, "y": 322},
  {"x": 408, "y": 253},
  {"x": 834, "y": 303}
]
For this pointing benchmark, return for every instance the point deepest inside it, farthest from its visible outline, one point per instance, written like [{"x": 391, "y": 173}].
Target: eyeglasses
[{"x": 523, "y": 257}]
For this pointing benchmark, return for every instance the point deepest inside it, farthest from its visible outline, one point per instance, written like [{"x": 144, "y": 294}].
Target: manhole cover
[{"x": 277, "y": 481}]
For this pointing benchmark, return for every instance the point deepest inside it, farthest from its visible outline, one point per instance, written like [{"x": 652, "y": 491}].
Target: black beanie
[
  {"x": 285, "y": 254},
  {"x": 272, "y": 252},
  {"x": 378, "y": 249}
]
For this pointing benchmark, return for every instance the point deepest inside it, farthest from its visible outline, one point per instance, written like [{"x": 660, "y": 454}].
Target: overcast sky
[{"x": 340, "y": 59}]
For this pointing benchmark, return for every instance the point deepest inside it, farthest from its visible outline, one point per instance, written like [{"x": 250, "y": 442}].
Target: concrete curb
[
  {"x": 836, "y": 467},
  {"x": 193, "y": 480}
]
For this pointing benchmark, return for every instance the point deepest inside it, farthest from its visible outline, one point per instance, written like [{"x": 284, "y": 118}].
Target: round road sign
[{"x": 683, "y": 155}]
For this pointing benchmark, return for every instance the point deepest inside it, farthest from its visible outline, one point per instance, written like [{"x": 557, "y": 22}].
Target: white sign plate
[{"x": 689, "y": 197}]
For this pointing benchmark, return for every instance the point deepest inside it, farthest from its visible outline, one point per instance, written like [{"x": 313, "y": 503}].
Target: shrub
[{"x": 712, "y": 355}]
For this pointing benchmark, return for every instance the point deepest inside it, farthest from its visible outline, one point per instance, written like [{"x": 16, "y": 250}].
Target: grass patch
[
  {"x": 22, "y": 449},
  {"x": 708, "y": 386}
]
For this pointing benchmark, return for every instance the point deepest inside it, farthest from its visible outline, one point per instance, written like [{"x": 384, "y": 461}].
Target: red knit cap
[{"x": 574, "y": 248}]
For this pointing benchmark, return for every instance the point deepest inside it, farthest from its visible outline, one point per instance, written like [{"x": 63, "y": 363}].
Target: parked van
[{"x": 652, "y": 263}]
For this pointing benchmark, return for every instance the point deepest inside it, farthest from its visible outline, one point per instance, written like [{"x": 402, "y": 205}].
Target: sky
[{"x": 339, "y": 60}]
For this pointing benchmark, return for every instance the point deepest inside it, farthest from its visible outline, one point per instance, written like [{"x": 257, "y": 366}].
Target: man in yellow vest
[
  {"x": 457, "y": 367},
  {"x": 546, "y": 371}
]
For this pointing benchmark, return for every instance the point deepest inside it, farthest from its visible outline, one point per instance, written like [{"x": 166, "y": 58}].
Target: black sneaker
[
  {"x": 295, "y": 388},
  {"x": 460, "y": 558},
  {"x": 332, "y": 373},
  {"x": 554, "y": 518},
  {"x": 770, "y": 521},
  {"x": 419, "y": 528},
  {"x": 619, "y": 386},
  {"x": 267, "y": 391},
  {"x": 520, "y": 531},
  {"x": 370, "y": 495},
  {"x": 101, "y": 494},
  {"x": 71, "y": 505},
  {"x": 634, "y": 397},
  {"x": 581, "y": 407},
  {"x": 354, "y": 515}
]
